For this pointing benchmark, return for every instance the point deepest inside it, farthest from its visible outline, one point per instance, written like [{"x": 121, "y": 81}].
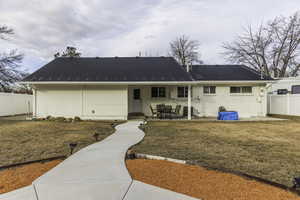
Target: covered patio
[{"x": 160, "y": 101}]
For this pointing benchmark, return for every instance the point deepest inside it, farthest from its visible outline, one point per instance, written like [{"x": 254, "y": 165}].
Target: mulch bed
[
  {"x": 18, "y": 177},
  {"x": 202, "y": 183}
]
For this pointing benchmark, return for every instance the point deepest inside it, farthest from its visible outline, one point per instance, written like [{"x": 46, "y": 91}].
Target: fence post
[
  {"x": 269, "y": 102},
  {"x": 288, "y": 104}
]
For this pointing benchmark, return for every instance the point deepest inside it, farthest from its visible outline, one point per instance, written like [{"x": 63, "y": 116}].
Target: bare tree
[
  {"x": 273, "y": 49},
  {"x": 9, "y": 64},
  {"x": 69, "y": 52},
  {"x": 184, "y": 50},
  {"x": 5, "y": 30}
]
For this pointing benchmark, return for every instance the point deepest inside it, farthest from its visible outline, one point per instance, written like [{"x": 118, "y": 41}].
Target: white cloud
[{"x": 123, "y": 28}]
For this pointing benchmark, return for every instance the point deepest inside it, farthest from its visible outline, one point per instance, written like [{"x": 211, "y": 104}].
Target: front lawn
[
  {"x": 22, "y": 141},
  {"x": 270, "y": 150}
]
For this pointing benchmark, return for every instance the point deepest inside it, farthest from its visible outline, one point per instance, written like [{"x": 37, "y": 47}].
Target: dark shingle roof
[
  {"x": 225, "y": 73},
  {"x": 111, "y": 69}
]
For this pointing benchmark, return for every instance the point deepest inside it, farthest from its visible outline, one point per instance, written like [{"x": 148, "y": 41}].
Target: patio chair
[
  {"x": 185, "y": 111},
  {"x": 176, "y": 112},
  {"x": 167, "y": 112},
  {"x": 160, "y": 110},
  {"x": 153, "y": 112}
]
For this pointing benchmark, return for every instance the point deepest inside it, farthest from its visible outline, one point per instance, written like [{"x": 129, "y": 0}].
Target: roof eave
[
  {"x": 146, "y": 82},
  {"x": 107, "y": 82},
  {"x": 234, "y": 81}
]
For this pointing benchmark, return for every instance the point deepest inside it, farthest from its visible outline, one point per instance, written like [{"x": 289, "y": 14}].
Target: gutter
[
  {"x": 215, "y": 82},
  {"x": 107, "y": 82}
]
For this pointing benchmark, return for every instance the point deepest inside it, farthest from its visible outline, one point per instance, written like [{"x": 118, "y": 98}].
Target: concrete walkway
[{"x": 94, "y": 173}]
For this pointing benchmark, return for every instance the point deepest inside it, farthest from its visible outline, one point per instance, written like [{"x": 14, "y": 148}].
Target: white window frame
[
  {"x": 158, "y": 92},
  {"x": 185, "y": 92},
  {"x": 211, "y": 94},
  {"x": 241, "y": 91}
]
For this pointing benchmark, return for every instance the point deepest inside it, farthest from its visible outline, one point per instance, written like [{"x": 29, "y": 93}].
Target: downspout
[{"x": 189, "y": 96}]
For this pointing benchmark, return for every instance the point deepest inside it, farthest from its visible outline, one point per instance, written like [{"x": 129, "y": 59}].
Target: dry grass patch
[
  {"x": 23, "y": 141},
  {"x": 270, "y": 150}
]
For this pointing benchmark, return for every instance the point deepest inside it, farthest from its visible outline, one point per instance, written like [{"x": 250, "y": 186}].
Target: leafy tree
[
  {"x": 69, "y": 52},
  {"x": 9, "y": 63},
  {"x": 273, "y": 50},
  {"x": 185, "y": 50}
]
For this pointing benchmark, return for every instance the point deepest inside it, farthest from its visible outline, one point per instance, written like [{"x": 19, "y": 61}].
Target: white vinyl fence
[
  {"x": 288, "y": 104},
  {"x": 15, "y": 104}
]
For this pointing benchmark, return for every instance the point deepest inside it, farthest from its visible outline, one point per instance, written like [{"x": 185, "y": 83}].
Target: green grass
[
  {"x": 270, "y": 150},
  {"x": 22, "y": 141}
]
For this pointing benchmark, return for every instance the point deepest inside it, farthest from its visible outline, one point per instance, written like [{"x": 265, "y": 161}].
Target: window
[
  {"x": 282, "y": 91},
  {"x": 182, "y": 92},
  {"x": 158, "y": 92},
  {"x": 296, "y": 89},
  {"x": 136, "y": 94},
  {"x": 243, "y": 89},
  {"x": 209, "y": 89}
]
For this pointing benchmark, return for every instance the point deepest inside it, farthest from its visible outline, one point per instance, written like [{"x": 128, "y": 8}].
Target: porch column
[{"x": 189, "y": 102}]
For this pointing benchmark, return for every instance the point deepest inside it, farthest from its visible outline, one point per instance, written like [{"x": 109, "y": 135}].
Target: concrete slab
[
  {"x": 139, "y": 190},
  {"x": 26, "y": 193},
  {"x": 111, "y": 190}
]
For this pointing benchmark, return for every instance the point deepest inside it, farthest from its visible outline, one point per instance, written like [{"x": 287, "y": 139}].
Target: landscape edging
[
  {"x": 151, "y": 157},
  {"x": 32, "y": 161}
]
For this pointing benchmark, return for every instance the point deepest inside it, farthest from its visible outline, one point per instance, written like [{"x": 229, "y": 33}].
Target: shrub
[{"x": 76, "y": 119}]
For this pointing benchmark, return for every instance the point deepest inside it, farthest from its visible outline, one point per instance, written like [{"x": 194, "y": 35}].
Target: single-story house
[
  {"x": 284, "y": 86},
  {"x": 112, "y": 88},
  {"x": 284, "y": 97}
]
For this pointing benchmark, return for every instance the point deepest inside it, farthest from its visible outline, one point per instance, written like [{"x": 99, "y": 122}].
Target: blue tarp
[{"x": 228, "y": 116}]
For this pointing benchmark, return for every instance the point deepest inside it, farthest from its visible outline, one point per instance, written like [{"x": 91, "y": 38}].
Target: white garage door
[
  {"x": 105, "y": 102},
  {"x": 59, "y": 101}
]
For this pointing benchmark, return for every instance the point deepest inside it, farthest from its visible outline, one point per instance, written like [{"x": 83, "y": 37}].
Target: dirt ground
[
  {"x": 18, "y": 177},
  {"x": 269, "y": 150},
  {"x": 22, "y": 141},
  {"x": 202, "y": 183}
]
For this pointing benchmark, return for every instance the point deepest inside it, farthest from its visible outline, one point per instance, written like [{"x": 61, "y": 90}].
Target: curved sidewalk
[{"x": 94, "y": 173}]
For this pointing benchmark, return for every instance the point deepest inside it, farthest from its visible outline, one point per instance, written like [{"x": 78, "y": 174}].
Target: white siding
[
  {"x": 249, "y": 105},
  {"x": 111, "y": 102},
  {"x": 58, "y": 101},
  {"x": 87, "y": 102},
  {"x": 15, "y": 104},
  {"x": 285, "y": 83},
  {"x": 105, "y": 102}
]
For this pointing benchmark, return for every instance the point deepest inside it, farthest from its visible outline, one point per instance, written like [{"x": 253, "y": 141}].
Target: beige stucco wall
[
  {"x": 247, "y": 105},
  {"x": 87, "y": 102}
]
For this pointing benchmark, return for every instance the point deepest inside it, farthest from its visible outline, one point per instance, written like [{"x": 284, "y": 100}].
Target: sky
[{"x": 126, "y": 27}]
